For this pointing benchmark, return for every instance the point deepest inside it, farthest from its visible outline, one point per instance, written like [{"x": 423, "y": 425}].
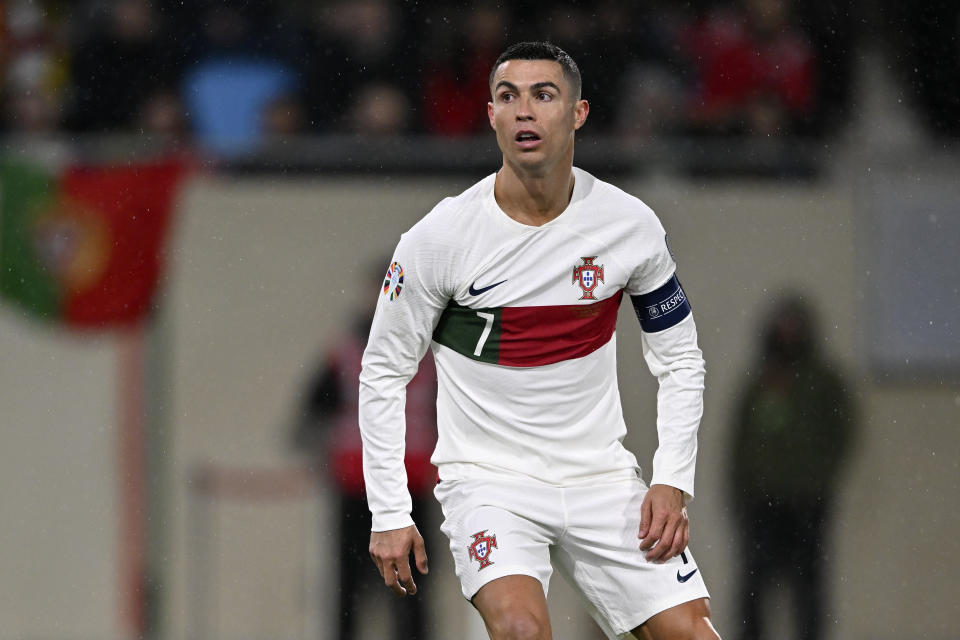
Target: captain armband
[{"x": 662, "y": 308}]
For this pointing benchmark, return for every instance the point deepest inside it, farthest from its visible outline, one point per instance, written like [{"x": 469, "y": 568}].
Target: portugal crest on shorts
[
  {"x": 587, "y": 275},
  {"x": 481, "y": 548}
]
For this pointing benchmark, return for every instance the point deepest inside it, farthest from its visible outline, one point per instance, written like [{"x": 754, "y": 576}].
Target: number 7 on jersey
[{"x": 486, "y": 331}]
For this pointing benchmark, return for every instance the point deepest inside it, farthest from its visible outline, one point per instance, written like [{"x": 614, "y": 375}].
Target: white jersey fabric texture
[{"x": 521, "y": 321}]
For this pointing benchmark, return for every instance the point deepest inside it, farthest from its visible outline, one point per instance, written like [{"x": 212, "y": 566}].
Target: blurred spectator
[
  {"x": 34, "y": 70},
  {"x": 30, "y": 104},
  {"x": 163, "y": 114},
  {"x": 457, "y": 61},
  {"x": 651, "y": 102},
  {"x": 239, "y": 73},
  {"x": 623, "y": 51},
  {"x": 328, "y": 430},
  {"x": 602, "y": 42},
  {"x": 283, "y": 117},
  {"x": 792, "y": 433},
  {"x": 755, "y": 70},
  {"x": 755, "y": 67},
  {"x": 126, "y": 59},
  {"x": 353, "y": 44},
  {"x": 654, "y": 85},
  {"x": 380, "y": 109},
  {"x": 227, "y": 99}
]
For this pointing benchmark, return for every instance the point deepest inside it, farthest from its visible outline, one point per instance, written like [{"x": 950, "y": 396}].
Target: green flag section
[
  {"x": 84, "y": 247},
  {"x": 528, "y": 336}
]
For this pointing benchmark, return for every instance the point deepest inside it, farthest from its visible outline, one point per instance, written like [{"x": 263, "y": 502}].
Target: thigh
[
  {"x": 687, "y": 620},
  {"x": 514, "y": 606},
  {"x": 494, "y": 534},
  {"x": 599, "y": 554}
]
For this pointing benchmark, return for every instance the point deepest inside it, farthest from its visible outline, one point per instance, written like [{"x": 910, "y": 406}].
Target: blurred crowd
[{"x": 229, "y": 73}]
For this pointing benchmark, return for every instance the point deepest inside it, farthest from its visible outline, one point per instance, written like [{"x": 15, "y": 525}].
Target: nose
[{"x": 524, "y": 112}]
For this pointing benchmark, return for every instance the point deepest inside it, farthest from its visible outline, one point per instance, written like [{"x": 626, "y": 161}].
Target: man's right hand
[{"x": 390, "y": 551}]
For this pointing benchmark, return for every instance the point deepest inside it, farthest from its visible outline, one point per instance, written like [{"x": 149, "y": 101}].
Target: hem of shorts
[
  {"x": 658, "y": 607},
  {"x": 502, "y": 573}
]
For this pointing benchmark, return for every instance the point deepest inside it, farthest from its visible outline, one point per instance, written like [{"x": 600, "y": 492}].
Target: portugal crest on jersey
[
  {"x": 588, "y": 275},
  {"x": 481, "y": 548}
]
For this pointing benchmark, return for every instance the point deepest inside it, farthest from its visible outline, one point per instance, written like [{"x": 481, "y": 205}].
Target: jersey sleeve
[
  {"x": 674, "y": 358},
  {"x": 671, "y": 352},
  {"x": 657, "y": 264},
  {"x": 411, "y": 301}
]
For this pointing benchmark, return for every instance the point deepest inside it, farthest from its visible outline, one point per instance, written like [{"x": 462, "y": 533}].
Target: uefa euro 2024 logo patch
[
  {"x": 393, "y": 281},
  {"x": 481, "y": 548},
  {"x": 588, "y": 275}
]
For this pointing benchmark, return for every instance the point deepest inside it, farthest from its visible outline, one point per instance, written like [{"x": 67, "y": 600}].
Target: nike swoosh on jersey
[
  {"x": 684, "y": 578},
  {"x": 476, "y": 292}
]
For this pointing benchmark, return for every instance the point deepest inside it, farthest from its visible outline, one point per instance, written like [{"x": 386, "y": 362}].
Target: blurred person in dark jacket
[
  {"x": 327, "y": 429},
  {"x": 792, "y": 435}
]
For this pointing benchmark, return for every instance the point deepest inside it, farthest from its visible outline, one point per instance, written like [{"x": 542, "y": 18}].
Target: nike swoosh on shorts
[{"x": 682, "y": 578}]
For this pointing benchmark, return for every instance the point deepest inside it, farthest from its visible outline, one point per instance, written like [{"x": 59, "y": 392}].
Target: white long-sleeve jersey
[{"x": 521, "y": 320}]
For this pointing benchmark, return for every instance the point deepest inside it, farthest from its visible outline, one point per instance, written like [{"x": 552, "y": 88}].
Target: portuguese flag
[{"x": 84, "y": 247}]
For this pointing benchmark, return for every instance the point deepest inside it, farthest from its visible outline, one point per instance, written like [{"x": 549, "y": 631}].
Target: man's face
[{"x": 534, "y": 112}]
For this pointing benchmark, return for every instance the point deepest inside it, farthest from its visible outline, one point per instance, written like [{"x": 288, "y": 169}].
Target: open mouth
[{"x": 527, "y": 138}]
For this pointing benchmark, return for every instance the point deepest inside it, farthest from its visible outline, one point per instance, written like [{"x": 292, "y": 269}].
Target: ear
[
  {"x": 490, "y": 116},
  {"x": 580, "y": 112}
]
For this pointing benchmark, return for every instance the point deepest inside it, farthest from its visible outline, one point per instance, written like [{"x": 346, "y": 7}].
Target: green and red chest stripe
[{"x": 528, "y": 336}]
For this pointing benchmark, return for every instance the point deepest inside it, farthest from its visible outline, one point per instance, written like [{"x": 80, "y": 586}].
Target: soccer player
[{"x": 516, "y": 283}]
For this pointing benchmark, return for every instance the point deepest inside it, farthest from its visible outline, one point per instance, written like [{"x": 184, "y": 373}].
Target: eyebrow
[{"x": 534, "y": 87}]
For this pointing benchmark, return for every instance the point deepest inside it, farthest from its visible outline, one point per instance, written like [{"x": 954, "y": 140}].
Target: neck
[{"x": 533, "y": 198}]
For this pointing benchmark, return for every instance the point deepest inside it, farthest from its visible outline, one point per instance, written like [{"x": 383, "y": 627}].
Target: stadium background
[{"x": 147, "y": 486}]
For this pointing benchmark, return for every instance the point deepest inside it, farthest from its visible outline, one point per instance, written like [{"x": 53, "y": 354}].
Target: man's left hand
[{"x": 664, "y": 527}]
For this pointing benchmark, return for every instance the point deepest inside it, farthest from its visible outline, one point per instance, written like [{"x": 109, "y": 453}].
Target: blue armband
[{"x": 662, "y": 308}]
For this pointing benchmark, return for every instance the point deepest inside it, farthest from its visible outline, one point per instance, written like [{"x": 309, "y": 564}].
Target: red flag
[{"x": 103, "y": 239}]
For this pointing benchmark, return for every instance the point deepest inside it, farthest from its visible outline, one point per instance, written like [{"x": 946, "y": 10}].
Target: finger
[
  {"x": 420, "y": 555},
  {"x": 409, "y": 587},
  {"x": 654, "y": 532},
  {"x": 390, "y": 579},
  {"x": 405, "y": 576},
  {"x": 664, "y": 542},
  {"x": 679, "y": 541},
  {"x": 646, "y": 514},
  {"x": 668, "y": 545}
]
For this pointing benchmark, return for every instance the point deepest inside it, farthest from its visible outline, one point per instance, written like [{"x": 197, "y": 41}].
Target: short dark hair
[{"x": 541, "y": 51}]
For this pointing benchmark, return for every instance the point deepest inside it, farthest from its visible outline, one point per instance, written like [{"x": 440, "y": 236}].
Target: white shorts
[{"x": 589, "y": 533}]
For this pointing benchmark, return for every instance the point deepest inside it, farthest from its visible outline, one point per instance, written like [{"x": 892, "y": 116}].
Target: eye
[
  {"x": 545, "y": 96},
  {"x": 506, "y": 97}
]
